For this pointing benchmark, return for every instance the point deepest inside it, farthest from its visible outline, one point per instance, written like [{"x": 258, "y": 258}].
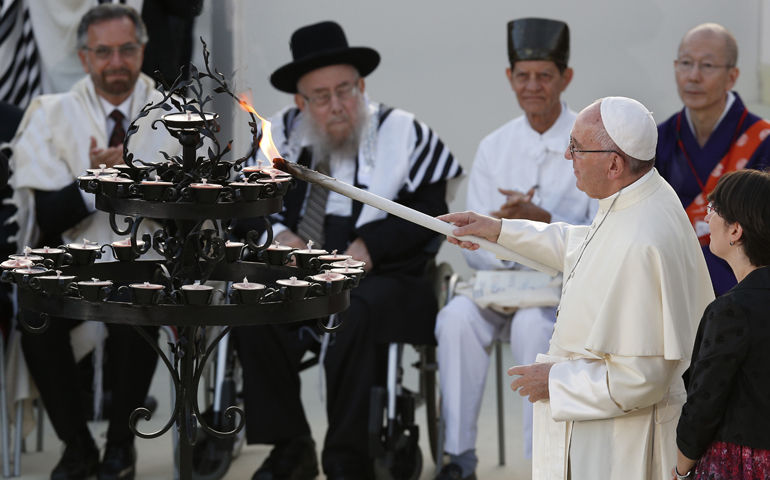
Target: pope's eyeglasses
[{"x": 573, "y": 150}]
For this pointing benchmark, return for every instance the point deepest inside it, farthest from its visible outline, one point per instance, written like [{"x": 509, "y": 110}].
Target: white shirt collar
[
  {"x": 124, "y": 108},
  {"x": 728, "y": 105}
]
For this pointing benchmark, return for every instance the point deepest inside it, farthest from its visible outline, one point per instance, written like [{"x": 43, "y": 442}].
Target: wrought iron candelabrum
[{"x": 196, "y": 205}]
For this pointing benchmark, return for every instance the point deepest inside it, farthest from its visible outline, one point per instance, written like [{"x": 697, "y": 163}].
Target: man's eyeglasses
[
  {"x": 573, "y": 150},
  {"x": 343, "y": 92},
  {"x": 710, "y": 208},
  {"x": 103, "y": 52},
  {"x": 685, "y": 65}
]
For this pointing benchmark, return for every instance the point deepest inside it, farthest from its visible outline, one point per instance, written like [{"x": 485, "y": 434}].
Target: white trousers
[{"x": 465, "y": 334}]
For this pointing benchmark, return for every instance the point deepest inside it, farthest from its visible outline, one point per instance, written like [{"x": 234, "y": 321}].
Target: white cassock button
[
  {"x": 572, "y": 274},
  {"x": 564, "y": 291},
  {"x": 593, "y": 225},
  {"x": 601, "y": 212}
]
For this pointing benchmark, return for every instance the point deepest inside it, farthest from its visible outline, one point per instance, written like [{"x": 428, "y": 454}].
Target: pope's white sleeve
[
  {"x": 543, "y": 242},
  {"x": 592, "y": 389}
]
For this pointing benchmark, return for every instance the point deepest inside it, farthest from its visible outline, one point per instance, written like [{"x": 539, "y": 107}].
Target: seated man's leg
[
  {"x": 270, "y": 356},
  {"x": 131, "y": 362},
  {"x": 51, "y": 362},
  {"x": 531, "y": 333},
  {"x": 354, "y": 364},
  {"x": 464, "y": 333}
]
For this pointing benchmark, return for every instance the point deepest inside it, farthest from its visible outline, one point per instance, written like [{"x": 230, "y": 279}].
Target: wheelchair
[{"x": 393, "y": 432}]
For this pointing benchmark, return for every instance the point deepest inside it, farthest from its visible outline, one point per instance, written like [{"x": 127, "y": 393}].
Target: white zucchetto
[{"x": 631, "y": 126}]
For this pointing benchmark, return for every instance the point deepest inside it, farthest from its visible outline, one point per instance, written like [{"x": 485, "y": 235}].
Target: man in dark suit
[{"x": 336, "y": 129}]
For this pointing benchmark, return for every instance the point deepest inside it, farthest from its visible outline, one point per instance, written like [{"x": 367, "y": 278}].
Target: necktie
[
  {"x": 311, "y": 226},
  {"x": 118, "y": 133}
]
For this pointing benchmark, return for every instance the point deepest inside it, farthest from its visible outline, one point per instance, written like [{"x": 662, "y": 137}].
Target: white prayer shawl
[
  {"x": 386, "y": 156},
  {"x": 624, "y": 334},
  {"x": 51, "y": 149}
]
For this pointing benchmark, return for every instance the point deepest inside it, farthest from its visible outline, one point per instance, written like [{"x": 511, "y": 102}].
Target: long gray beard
[{"x": 326, "y": 146}]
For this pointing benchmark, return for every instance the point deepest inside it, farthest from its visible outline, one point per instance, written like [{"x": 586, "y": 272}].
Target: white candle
[{"x": 407, "y": 213}]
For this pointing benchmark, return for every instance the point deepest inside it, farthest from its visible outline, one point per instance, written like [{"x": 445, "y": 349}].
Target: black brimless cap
[{"x": 538, "y": 39}]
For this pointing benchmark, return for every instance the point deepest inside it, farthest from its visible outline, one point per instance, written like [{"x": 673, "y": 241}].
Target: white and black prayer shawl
[
  {"x": 20, "y": 75},
  {"x": 397, "y": 153}
]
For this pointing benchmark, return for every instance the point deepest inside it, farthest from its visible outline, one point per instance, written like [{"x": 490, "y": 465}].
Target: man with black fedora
[
  {"x": 335, "y": 128},
  {"x": 518, "y": 172}
]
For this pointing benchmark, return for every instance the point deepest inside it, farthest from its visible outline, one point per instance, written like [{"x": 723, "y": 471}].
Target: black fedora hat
[
  {"x": 538, "y": 39},
  {"x": 320, "y": 45}
]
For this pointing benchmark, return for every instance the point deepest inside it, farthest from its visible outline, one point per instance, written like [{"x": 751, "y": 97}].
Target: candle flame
[{"x": 266, "y": 144}]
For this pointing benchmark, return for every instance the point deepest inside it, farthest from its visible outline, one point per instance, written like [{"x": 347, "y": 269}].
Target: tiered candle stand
[{"x": 196, "y": 203}]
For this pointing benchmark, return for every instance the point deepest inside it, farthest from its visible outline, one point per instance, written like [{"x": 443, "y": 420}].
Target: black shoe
[
  {"x": 453, "y": 471},
  {"x": 80, "y": 460},
  {"x": 119, "y": 463},
  {"x": 291, "y": 460}
]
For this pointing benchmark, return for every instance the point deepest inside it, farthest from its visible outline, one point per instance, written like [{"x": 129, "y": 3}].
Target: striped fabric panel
[
  {"x": 432, "y": 161},
  {"x": 19, "y": 61}
]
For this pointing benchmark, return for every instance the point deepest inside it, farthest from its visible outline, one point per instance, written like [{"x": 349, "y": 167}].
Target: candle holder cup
[
  {"x": 308, "y": 259},
  {"x": 155, "y": 191},
  {"x": 52, "y": 284},
  {"x": 276, "y": 255},
  {"x": 124, "y": 252},
  {"x": 83, "y": 255},
  {"x": 248, "y": 192},
  {"x": 197, "y": 295},
  {"x": 22, "y": 276},
  {"x": 145, "y": 294},
  {"x": 248, "y": 295},
  {"x": 330, "y": 284},
  {"x": 207, "y": 194},
  {"x": 233, "y": 251},
  {"x": 118, "y": 187},
  {"x": 94, "y": 291},
  {"x": 54, "y": 257},
  {"x": 354, "y": 274},
  {"x": 90, "y": 184},
  {"x": 293, "y": 292}
]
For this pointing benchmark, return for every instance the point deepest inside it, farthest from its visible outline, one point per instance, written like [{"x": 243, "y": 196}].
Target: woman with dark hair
[{"x": 724, "y": 430}]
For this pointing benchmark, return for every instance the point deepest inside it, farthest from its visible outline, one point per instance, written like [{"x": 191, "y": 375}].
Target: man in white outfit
[
  {"x": 519, "y": 172},
  {"x": 609, "y": 392}
]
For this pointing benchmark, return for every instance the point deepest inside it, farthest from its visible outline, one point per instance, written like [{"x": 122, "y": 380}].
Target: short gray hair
[
  {"x": 110, "y": 11},
  {"x": 635, "y": 165}
]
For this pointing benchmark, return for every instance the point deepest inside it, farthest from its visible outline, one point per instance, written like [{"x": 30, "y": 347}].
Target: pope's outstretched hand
[{"x": 471, "y": 223}]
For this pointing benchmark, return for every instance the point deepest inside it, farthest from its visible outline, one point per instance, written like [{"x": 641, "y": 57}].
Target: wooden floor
[{"x": 155, "y": 456}]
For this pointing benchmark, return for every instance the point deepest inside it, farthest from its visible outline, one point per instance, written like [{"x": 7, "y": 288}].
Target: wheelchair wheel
[
  {"x": 430, "y": 393},
  {"x": 406, "y": 465}
]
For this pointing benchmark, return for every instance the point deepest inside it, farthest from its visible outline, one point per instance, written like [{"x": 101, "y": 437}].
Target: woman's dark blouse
[{"x": 728, "y": 398}]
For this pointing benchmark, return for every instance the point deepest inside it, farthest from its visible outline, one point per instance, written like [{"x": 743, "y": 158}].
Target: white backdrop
[{"x": 444, "y": 60}]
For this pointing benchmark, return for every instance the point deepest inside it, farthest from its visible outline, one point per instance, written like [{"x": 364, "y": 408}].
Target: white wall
[{"x": 444, "y": 60}]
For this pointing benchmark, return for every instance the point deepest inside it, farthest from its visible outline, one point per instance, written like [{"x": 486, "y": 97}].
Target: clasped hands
[{"x": 109, "y": 156}]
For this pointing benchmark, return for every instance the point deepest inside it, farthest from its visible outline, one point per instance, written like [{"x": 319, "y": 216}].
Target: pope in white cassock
[{"x": 608, "y": 393}]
